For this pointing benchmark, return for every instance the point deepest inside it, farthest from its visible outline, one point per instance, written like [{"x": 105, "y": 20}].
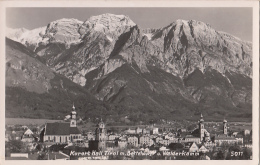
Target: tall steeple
[
  {"x": 73, "y": 115},
  {"x": 101, "y": 134},
  {"x": 201, "y": 128},
  {"x": 225, "y": 127}
]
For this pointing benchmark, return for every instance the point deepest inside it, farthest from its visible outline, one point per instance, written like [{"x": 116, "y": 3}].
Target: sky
[{"x": 236, "y": 21}]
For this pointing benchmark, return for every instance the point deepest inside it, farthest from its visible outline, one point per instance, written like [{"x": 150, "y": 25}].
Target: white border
[{"x": 255, "y": 93}]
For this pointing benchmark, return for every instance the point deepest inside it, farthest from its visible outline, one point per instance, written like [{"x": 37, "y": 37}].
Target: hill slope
[{"x": 35, "y": 91}]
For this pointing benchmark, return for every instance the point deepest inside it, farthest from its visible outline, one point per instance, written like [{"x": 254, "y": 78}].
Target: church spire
[
  {"x": 73, "y": 122},
  {"x": 73, "y": 107},
  {"x": 201, "y": 118}
]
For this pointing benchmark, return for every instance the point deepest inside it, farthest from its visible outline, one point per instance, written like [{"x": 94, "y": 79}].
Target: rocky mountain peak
[
  {"x": 64, "y": 31},
  {"x": 109, "y": 22},
  {"x": 178, "y": 69}
]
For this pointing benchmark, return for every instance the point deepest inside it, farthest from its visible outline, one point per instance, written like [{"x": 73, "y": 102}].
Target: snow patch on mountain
[
  {"x": 109, "y": 38},
  {"x": 15, "y": 34},
  {"x": 148, "y": 35}
]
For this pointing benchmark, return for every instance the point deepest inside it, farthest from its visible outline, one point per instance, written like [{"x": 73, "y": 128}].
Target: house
[
  {"x": 110, "y": 145},
  {"x": 170, "y": 136},
  {"x": 133, "y": 140},
  {"x": 138, "y": 130},
  {"x": 194, "y": 147},
  {"x": 130, "y": 131},
  {"x": 90, "y": 136},
  {"x": 240, "y": 139},
  {"x": 163, "y": 148},
  {"x": 165, "y": 142},
  {"x": 145, "y": 140},
  {"x": 246, "y": 132},
  {"x": 203, "y": 149},
  {"x": 112, "y": 137},
  {"x": 220, "y": 139},
  {"x": 190, "y": 138},
  {"x": 28, "y": 136},
  {"x": 155, "y": 131},
  {"x": 121, "y": 143}
]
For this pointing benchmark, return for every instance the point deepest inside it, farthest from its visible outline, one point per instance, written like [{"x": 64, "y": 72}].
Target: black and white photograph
[{"x": 130, "y": 83}]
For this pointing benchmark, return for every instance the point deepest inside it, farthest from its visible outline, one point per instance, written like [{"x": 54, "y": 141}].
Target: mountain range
[{"x": 111, "y": 67}]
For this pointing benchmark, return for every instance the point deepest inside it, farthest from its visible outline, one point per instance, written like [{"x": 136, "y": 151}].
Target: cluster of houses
[{"x": 198, "y": 140}]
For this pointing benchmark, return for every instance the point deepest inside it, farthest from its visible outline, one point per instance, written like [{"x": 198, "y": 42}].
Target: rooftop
[{"x": 60, "y": 129}]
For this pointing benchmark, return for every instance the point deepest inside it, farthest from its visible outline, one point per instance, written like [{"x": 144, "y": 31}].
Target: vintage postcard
[{"x": 130, "y": 81}]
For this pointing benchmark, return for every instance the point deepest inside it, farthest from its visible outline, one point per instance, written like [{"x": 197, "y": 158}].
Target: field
[{"x": 27, "y": 121}]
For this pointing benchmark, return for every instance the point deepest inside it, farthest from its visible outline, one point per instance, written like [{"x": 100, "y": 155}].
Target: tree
[
  {"x": 41, "y": 156},
  {"x": 220, "y": 156},
  {"x": 15, "y": 146},
  {"x": 38, "y": 147},
  {"x": 176, "y": 146},
  {"x": 246, "y": 154}
]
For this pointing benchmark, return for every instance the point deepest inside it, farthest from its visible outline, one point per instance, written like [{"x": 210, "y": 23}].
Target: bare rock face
[
  {"x": 64, "y": 31},
  {"x": 111, "y": 25},
  {"x": 192, "y": 44}
]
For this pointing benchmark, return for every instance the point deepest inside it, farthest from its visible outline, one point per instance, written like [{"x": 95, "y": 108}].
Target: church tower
[
  {"x": 201, "y": 128},
  {"x": 225, "y": 127},
  {"x": 73, "y": 115},
  {"x": 101, "y": 135}
]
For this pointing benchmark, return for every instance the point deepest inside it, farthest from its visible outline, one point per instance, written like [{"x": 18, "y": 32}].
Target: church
[
  {"x": 62, "y": 132},
  {"x": 201, "y": 132}
]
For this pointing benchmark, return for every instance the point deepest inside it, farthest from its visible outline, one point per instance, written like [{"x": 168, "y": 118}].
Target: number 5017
[{"x": 233, "y": 153}]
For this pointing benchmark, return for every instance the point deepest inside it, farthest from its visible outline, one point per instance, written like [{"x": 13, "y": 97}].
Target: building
[
  {"x": 170, "y": 136},
  {"x": 145, "y": 140},
  {"x": 121, "y": 143},
  {"x": 132, "y": 140},
  {"x": 190, "y": 138},
  {"x": 62, "y": 132},
  {"x": 201, "y": 128},
  {"x": 158, "y": 139},
  {"x": 155, "y": 131},
  {"x": 28, "y": 136},
  {"x": 138, "y": 130},
  {"x": 203, "y": 149},
  {"x": 225, "y": 127},
  {"x": 130, "y": 131},
  {"x": 201, "y": 133},
  {"x": 221, "y": 139},
  {"x": 101, "y": 135},
  {"x": 194, "y": 147},
  {"x": 224, "y": 138},
  {"x": 246, "y": 132},
  {"x": 112, "y": 137}
]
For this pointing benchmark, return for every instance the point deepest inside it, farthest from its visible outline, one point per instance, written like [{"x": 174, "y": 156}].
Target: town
[{"x": 64, "y": 140}]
